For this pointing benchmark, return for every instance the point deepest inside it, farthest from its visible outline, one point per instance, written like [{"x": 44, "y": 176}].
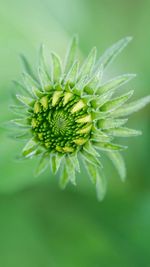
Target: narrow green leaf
[
  {"x": 123, "y": 132},
  {"x": 90, "y": 158},
  {"x": 75, "y": 161},
  {"x": 116, "y": 102},
  {"x": 68, "y": 173},
  {"x": 23, "y": 123},
  {"x": 111, "y": 53},
  {"x": 27, "y": 67},
  {"x": 108, "y": 146},
  {"x": 56, "y": 66},
  {"x": 101, "y": 100},
  {"x": 97, "y": 178},
  {"x": 42, "y": 165},
  {"x": 115, "y": 83},
  {"x": 88, "y": 65},
  {"x": 18, "y": 110},
  {"x": 31, "y": 85},
  {"x": 26, "y": 101},
  {"x": 71, "y": 54},
  {"x": 89, "y": 148},
  {"x": 30, "y": 148},
  {"x": 72, "y": 74},
  {"x": 119, "y": 163},
  {"x": 99, "y": 136},
  {"x": 29, "y": 102},
  {"x": 70, "y": 170},
  {"x": 45, "y": 79},
  {"x": 132, "y": 107},
  {"x": 64, "y": 178},
  {"x": 22, "y": 136},
  {"x": 94, "y": 82},
  {"x": 55, "y": 162},
  {"x": 111, "y": 123},
  {"x": 101, "y": 185}
]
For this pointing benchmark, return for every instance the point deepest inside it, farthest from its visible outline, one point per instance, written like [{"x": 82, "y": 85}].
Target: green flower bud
[{"x": 69, "y": 113}]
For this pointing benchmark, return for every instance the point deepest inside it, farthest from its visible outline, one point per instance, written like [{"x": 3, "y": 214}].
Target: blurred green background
[{"x": 40, "y": 225}]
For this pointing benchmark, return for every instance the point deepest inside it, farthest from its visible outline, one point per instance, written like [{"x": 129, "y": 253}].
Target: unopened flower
[{"x": 69, "y": 114}]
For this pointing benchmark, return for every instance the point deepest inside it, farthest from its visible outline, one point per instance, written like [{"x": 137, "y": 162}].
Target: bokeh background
[{"x": 40, "y": 225}]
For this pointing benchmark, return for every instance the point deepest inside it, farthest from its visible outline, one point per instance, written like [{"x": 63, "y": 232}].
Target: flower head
[{"x": 69, "y": 113}]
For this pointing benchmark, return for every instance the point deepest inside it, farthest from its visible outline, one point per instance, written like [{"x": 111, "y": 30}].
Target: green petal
[
  {"x": 71, "y": 54},
  {"x": 89, "y": 148},
  {"x": 119, "y": 163},
  {"x": 108, "y": 146},
  {"x": 56, "y": 67},
  {"x": 72, "y": 74},
  {"x": 115, "y": 83},
  {"x": 88, "y": 65},
  {"x": 96, "y": 176},
  {"x": 111, "y": 123},
  {"x": 99, "y": 136},
  {"x": 68, "y": 173},
  {"x": 30, "y": 148},
  {"x": 75, "y": 161},
  {"x": 111, "y": 53},
  {"x": 18, "y": 110},
  {"x": 55, "y": 162},
  {"x": 90, "y": 158},
  {"x": 64, "y": 178},
  {"x": 101, "y": 185},
  {"x": 101, "y": 100},
  {"x": 116, "y": 102},
  {"x": 42, "y": 70},
  {"x": 20, "y": 123},
  {"x": 27, "y": 67},
  {"x": 132, "y": 107},
  {"x": 123, "y": 132},
  {"x": 42, "y": 164},
  {"x": 29, "y": 102},
  {"x": 22, "y": 136},
  {"x": 31, "y": 85},
  {"x": 94, "y": 82}
]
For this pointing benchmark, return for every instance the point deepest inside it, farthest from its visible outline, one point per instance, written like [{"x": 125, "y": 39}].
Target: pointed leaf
[
  {"x": 94, "y": 82},
  {"x": 73, "y": 73},
  {"x": 101, "y": 100},
  {"x": 108, "y": 146},
  {"x": 111, "y": 53},
  {"x": 42, "y": 164},
  {"x": 64, "y": 178},
  {"x": 42, "y": 70},
  {"x": 132, "y": 107},
  {"x": 56, "y": 63},
  {"x": 119, "y": 163},
  {"x": 89, "y": 148},
  {"x": 30, "y": 148},
  {"x": 23, "y": 123},
  {"x": 31, "y": 85},
  {"x": 27, "y": 67},
  {"x": 71, "y": 54},
  {"x": 75, "y": 161},
  {"x": 123, "y": 132},
  {"x": 111, "y": 123},
  {"x": 99, "y": 136},
  {"x": 90, "y": 158},
  {"x": 101, "y": 185},
  {"x": 88, "y": 65},
  {"x": 116, "y": 102},
  {"x": 55, "y": 162},
  {"x": 115, "y": 83},
  {"x": 96, "y": 176},
  {"x": 29, "y": 102}
]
